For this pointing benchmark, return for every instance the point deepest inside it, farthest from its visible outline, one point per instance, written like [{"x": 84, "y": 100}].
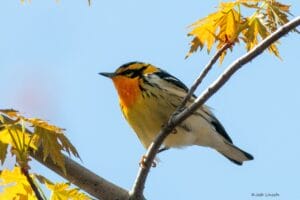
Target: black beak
[{"x": 107, "y": 74}]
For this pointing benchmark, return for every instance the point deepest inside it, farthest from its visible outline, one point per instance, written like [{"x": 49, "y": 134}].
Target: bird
[{"x": 148, "y": 96}]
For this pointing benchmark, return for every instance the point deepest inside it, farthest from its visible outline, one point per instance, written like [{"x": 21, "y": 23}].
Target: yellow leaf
[
  {"x": 250, "y": 4},
  {"x": 67, "y": 145},
  {"x": 48, "y": 137},
  {"x": 42, "y": 179},
  {"x": 222, "y": 56},
  {"x": 50, "y": 146},
  {"x": 14, "y": 136},
  {"x": 62, "y": 191},
  {"x": 10, "y": 112},
  {"x": 231, "y": 25},
  {"x": 57, "y": 134},
  {"x": 1, "y": 121},
  {"x": 254, "y": 30},
  {"x": 223, "y": 26},
  {"x": 227, "y": 25},
  {"x": 283, "y": 7},
  {"x": 53, "y": 142},
  {"x": 204, "y": 32},
  {"x": 19, "y": 141},
  {"x": 276, "y": 14},
  {"x": 273, "y": 49},
  {"x": 15, "y": 175},
  {"x": 195, "y": 44},
  {"x": 43, "y": 124},
  {"x": 257, "y": 29},
  {"x": 15, "y": 185}
]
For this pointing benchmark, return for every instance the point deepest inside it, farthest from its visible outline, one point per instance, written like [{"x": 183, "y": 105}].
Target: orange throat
[{"x": 128, "y": 90}]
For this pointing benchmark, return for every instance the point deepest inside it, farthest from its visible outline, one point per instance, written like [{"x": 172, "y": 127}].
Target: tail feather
[{"x": 234, "y": 154}]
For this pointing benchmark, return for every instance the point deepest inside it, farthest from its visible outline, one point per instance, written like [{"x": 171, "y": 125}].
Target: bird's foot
[{"x": 142, "y": 162}]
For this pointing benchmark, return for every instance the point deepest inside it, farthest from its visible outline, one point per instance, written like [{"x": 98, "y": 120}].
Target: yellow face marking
[{"x": 150, "y": 69}]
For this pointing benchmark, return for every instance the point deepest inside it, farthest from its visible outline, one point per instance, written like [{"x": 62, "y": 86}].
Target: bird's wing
[
  {"x": 168, "y": 83},
  {"x": 172, "y": 85},
  {"x": 216, "y": 123}
]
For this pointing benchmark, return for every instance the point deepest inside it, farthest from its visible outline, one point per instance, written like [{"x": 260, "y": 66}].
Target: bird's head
[
  {"x": 131, "y": 70},
  {"x": 128, "y": 79}
]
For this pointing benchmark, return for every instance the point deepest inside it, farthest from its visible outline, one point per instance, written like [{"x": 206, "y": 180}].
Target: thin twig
[
  {"x": 32, "y": 184},
  {"x": 202, "y": 75},
  {"x": 139, "y": 184}
]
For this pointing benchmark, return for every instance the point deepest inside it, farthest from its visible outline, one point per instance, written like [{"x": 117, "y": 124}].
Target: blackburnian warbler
[{"x": 149, "y": 95}]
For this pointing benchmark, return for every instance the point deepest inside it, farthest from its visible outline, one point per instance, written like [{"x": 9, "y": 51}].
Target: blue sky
[{"x": 51, "y": 54}]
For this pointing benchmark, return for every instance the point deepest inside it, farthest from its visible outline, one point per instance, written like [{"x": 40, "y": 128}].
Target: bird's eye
[
  {"x": 128, "y": 73},
  {"x": 132, "y": 73}
]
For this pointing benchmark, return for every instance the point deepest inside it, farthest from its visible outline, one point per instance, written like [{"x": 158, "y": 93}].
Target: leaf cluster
[
  {"x": 16, "y": 187},
  {"x": 20, "y": 135},
  {"x": 15, "y": 132},
  {"x": 229, "y": 26}
]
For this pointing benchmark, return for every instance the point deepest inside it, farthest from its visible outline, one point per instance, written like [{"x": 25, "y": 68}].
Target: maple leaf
[
  {"x": 203, "y": 32},
  {"x": 55, "y": 134},
  {"x": 10, "y": 112},
  {"x": 228, "y": 25},
  {"x": 257, "y": 28},
  {"x": 276, "y": 13},
  {"x": 19, "y": 141},
  {"x": 15, "y": 185},
  {"x": 250, "y": 4},
  {"x": 17, "y": 138},
  {"x": 52, "y": 141},
  {"x": 36, "y": 122},
  {"x": 50, "y": 146},
  {"x": 62, "y": 191},
  {"x": 222, "y": 27},
  {"x": 195, "y": 45},
  {"x": 14, "y": 131}
]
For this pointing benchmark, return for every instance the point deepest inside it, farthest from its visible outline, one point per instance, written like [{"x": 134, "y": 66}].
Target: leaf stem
[
  {"x": 13, "y": 138},
  {"x": 32, "y": 184}
]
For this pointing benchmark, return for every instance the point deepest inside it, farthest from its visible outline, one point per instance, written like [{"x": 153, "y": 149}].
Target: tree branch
[
  {"x": 175, "y": 119},
  {"x": 84, "y": 179}
]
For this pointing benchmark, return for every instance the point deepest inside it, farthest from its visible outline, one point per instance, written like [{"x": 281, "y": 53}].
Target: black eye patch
[
  {"x": 127, "y": 72},
  {"x": 132, "y": 73}
]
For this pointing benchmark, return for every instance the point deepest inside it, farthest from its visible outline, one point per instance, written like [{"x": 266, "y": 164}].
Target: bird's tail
[{"x": 234, "y": 154}]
